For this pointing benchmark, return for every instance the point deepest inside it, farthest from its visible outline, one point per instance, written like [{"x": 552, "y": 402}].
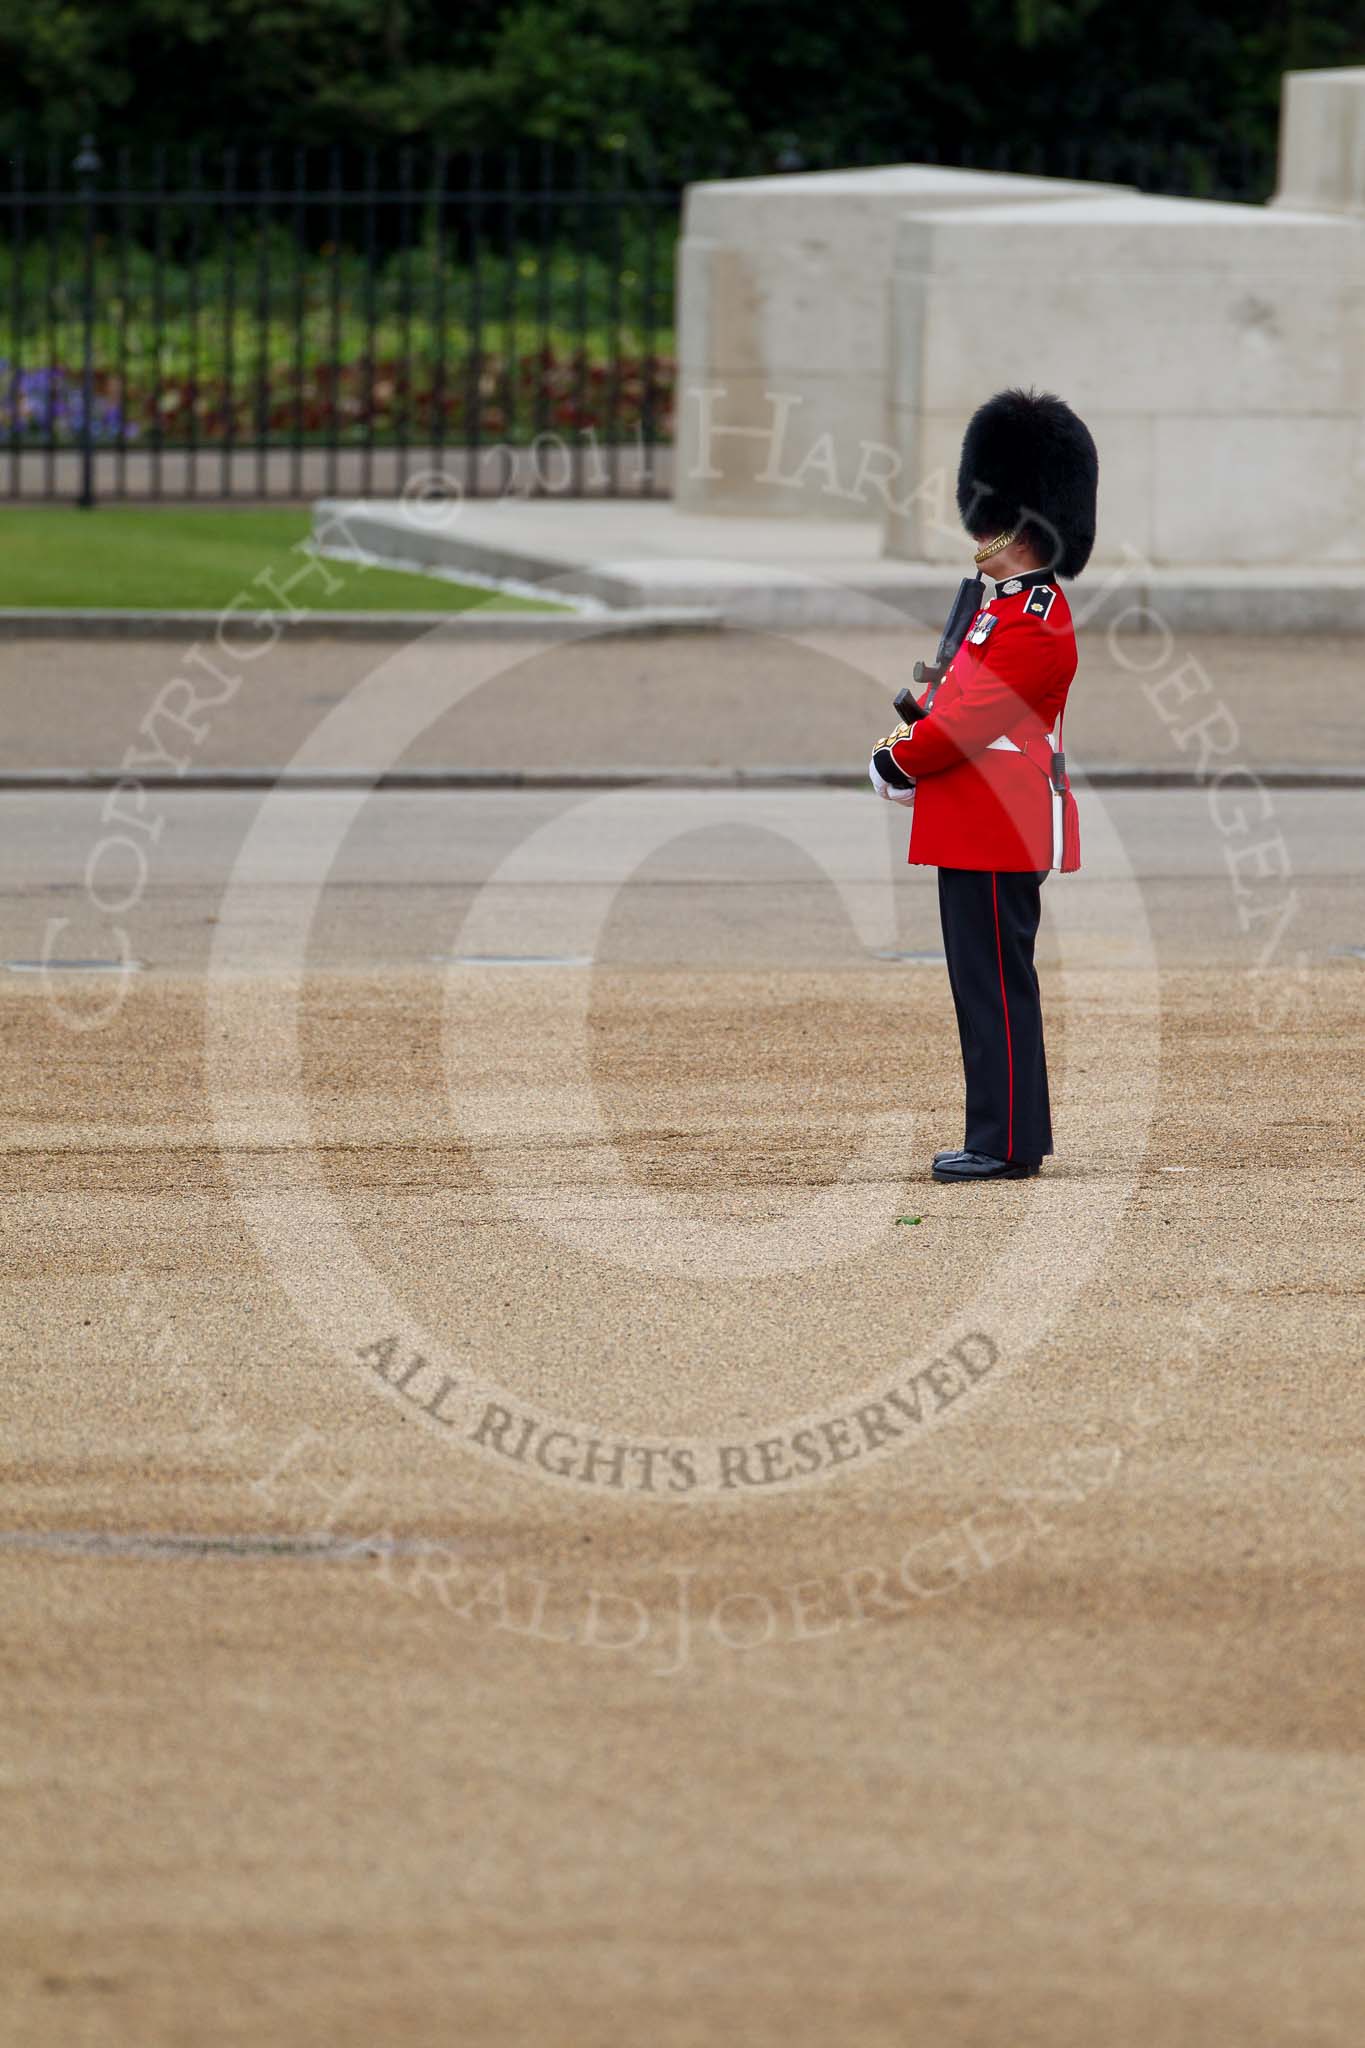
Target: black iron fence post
[{"x": 87, "y": 168}]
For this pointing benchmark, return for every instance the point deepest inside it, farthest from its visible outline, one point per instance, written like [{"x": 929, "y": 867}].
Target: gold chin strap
[{"x": 994, "y": 547}]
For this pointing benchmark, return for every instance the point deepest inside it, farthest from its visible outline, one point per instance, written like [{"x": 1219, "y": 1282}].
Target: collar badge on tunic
[{"x": 1008, "y": 589}]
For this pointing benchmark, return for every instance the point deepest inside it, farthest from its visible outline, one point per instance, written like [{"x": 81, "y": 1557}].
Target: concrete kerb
[
  {"x": 37, "y": 623},
  {"x": 1278, "y": 603},
  {"x": 1099, "y": 775}
]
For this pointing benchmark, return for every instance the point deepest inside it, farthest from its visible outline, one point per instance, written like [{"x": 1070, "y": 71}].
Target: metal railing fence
[{"x": 332, "y": 322}]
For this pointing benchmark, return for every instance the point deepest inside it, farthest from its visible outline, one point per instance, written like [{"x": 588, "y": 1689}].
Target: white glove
[
  {"x": 886, "y": 789},
  {"x": 885, "y": 773}
]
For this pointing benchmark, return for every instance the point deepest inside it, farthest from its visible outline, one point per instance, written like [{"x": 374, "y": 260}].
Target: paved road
[
  {"x": 695, "y": 700},
  {"x": 795, "y": 878},
  {"x": 466, "y": 1570}
]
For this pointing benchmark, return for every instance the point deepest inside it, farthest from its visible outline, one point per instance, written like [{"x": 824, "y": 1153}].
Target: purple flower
[{"x": 41, "y": 402}]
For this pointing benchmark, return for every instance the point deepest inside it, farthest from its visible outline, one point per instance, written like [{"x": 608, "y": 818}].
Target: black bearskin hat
[{"x": 1029, "y": 463}]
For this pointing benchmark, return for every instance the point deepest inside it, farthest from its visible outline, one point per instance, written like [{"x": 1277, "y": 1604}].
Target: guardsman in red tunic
[{"x": 982, "y": 764}]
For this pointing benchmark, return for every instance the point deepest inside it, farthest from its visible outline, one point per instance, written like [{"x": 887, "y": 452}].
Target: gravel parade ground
[{"x": 531, "y": 1519}]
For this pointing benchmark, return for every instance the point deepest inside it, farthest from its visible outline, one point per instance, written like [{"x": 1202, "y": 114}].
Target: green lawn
[{"x": 197, "y": 558}]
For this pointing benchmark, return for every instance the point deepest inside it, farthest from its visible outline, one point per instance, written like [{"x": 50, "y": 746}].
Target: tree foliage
[{"x": 792, "y": 79}]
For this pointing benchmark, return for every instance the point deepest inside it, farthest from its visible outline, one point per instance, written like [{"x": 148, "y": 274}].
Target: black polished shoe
[
  {"x": 981, "y": 1166},
  {"x": 955, "y": 1152}
]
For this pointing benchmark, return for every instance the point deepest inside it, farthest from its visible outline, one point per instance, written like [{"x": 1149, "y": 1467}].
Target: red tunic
[{"x": 979, "y": 805}]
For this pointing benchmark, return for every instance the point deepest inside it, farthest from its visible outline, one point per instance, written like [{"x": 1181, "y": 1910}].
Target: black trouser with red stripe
[{"x": 990, "y": 922}]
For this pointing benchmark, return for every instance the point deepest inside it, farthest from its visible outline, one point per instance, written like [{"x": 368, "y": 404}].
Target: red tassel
[{"x": 1071, "y": 835}]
